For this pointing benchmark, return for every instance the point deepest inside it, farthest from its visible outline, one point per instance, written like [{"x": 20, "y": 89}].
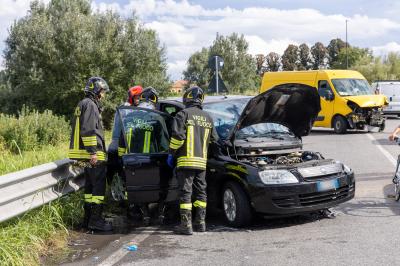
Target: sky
[{"x": 185, "y": 26}]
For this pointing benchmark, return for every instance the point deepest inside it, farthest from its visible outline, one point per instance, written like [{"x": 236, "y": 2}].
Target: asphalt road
[{"x": 364, "y": 232}]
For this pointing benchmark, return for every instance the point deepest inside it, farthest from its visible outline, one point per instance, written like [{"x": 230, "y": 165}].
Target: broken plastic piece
[{"x": 131, "y": 247}]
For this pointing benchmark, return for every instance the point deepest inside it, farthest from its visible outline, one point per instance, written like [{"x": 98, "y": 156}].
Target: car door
[
  {"x": 327, "y": 104},
  {"x": 148, "y": 177}
]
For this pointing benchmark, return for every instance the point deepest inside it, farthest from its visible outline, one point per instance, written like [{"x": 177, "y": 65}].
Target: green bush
[{"x": 31, "y": 130}]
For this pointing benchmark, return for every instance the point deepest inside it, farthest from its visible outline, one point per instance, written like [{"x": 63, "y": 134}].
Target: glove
[{"x": 170, "y": 161}]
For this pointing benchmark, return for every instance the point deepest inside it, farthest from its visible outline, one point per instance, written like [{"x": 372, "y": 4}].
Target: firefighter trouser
[
  {"x": 95, "y": 183},
  {"x": 192, "y": 180}
]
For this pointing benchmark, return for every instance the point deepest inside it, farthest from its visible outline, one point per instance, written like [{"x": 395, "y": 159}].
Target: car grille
[
  {"x": 313, "y": 198},
  {"x": 322, "y": 197},
  {"x": 317, "y": 172},
  {"x": 285, "y": 202}
]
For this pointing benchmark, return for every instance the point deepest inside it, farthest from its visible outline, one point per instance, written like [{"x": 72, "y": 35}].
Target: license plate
[{"x": 327, "y": 185}]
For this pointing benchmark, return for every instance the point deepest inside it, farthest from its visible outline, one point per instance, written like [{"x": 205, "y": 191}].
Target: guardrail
[{"x": 33, "y": 187}]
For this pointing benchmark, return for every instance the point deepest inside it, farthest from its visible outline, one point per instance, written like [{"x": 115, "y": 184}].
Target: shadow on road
[{"x": 321, "y": 132}]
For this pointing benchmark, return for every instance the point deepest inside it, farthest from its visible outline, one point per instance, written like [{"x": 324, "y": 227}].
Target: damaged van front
[{"x": 362, "y": 107}]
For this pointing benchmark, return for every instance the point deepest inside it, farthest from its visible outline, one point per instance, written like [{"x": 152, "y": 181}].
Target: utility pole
[
  {"x": 347, "y": 55},
  {"x": 216, "y": 73}
]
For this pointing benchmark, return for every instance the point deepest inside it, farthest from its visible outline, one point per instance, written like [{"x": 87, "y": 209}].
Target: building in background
[{"x": 179, "y": 86}]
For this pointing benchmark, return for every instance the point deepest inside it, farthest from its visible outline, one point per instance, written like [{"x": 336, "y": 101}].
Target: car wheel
[
  {"x": 340, "y": 125},
  {"x": 236, "y": 205}
]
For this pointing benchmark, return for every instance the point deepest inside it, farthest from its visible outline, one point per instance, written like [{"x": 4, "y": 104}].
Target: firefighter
[
  {"x": 145, "y": 136},
  {"x": 113, "y": 163},
  {"x": 192, "y": 131},
  {"x": 88, "y": 147},
  {"x": 133, "y": 96}
]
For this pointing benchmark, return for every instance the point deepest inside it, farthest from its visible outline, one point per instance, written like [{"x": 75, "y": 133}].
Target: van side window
[{"x": 324, "y": 90}]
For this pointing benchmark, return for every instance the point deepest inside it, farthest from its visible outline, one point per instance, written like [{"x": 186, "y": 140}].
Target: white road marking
[
  {"x": 391, "y": 159},
  {"x": 122, "y": 252}
]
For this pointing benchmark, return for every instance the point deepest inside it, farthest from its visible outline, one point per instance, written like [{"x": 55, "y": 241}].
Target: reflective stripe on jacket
[
  {"x": 192, "y": 131},
  {"x": 87, "y": 135}
]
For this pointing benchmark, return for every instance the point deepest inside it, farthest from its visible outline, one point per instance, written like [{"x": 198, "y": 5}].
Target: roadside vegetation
[{"x": 26, "y": 140}]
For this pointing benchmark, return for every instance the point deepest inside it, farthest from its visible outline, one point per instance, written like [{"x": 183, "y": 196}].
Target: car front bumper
[{"x": 307, "y": 196}]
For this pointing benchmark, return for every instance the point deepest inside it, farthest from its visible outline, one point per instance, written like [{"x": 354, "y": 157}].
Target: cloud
[
  {"x": 385, "y": 49},
  {"x": 186, "y": 27}
]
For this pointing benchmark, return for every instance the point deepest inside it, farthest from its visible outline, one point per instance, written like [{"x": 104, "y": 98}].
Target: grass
[
  {"x": 43, "y": 232},
  {"x": 25, "y": 240},
  {"x": 39, "y": 233},
  {"x": 11, "y": 162}
]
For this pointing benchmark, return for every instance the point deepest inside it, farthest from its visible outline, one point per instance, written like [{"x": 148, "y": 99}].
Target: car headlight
[
  {"x": 347, "y": 169},
  {"x": 270, "y": 177}
]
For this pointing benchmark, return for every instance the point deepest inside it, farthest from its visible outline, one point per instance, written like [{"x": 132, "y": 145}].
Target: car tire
[
  {"x": 339, "y": 125},
  {"x": 235, "y": 205}
]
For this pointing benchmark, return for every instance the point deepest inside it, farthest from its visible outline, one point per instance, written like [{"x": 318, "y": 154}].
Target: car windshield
[
  {"x": 352, "y": 87},
  {"x": 145, "y": 131},
  {"x": 226, "y": 114},
  {"x": 268, "y": 130}
]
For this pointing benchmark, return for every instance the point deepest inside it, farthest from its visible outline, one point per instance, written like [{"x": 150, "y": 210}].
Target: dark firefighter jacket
[
  {"x": 192, "y": 131},
  {"x": 87, "y": 131},
  {"x": 145, "y": 132}
]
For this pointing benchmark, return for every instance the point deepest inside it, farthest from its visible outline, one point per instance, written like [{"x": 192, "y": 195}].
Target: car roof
[{"x": 211, "y": 99}]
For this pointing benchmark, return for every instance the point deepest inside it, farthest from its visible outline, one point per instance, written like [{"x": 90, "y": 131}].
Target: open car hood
[{"x": 293, "y": 105}]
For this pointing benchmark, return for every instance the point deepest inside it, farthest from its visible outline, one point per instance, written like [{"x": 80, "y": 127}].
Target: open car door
[{"x": 148, "y": 177}]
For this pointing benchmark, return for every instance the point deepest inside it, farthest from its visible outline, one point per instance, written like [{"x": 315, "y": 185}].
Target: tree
[
  {"x": 304, "y": 57},
  {"x": 197, "y": 71},
  {"x": 379, "y": 68},
  {"x": 290, "y": 58},
  {"x": 52, "y": 51},
  {"x": 260, "y": 59},
  {"x": 319, "y": 55},
  {"x": 354, "y": 54},
  {"x": 273, "y": 62},
  {"x": 334, "y": 48},
  {"x": 240, "y": 68}
]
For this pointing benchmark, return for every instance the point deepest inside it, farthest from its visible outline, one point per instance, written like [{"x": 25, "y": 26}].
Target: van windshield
[{"x": 352, "y": 87}]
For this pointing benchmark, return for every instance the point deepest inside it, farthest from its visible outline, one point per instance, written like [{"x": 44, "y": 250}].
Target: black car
[{"x": 262, "y": 168}]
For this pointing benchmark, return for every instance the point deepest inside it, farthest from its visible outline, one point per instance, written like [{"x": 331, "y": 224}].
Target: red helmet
[{"x": 134, "y": 91}]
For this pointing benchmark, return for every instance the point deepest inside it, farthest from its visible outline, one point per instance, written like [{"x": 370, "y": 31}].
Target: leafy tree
[
  {"x": 290, "y": 58},
  {"x": 304, "y": 57},
  {"x": 334, "y": 48},
  {"x": 319, "y": 55},
  {"x": 379, "y": 68},
  {"x": 354, "y": 54},
  {"x": 197, "y": 71},
  {"x": 52, "y": 51},
  {"x": 240, "y": 68},
  {"x": 260, "y": 60},
  {"x": 273, "y": 62}
]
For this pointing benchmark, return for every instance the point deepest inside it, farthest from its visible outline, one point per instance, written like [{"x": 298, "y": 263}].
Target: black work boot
[
  {"x": 145, "y": 214},
  {"x": 161, "y": 213},
  {"x": 199, "y": 224},
  {"x": 86, "y": 215},
  {"x": 185, "y": 228},
  {"x": 97, "y": 221}
]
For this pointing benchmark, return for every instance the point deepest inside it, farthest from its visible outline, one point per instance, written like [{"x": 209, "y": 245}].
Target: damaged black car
[{"x": 263, "y": 168}]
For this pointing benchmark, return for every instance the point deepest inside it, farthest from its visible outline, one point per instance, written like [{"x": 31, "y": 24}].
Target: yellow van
[{"x": 347, "y": 100}]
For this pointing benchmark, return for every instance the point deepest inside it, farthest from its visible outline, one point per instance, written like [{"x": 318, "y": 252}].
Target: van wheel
[
  {"x": 236, "y": 205},
  {"x": 340, "y": 125}
]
